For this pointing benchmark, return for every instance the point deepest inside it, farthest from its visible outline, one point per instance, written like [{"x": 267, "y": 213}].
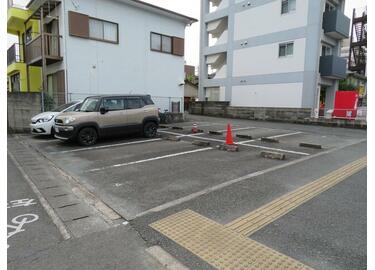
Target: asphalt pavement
[{"x": 146, "y": 181}]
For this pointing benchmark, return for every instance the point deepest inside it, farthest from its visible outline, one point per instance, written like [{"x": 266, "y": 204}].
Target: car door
[
  {"x": 134, "y": 113},
  {"x": 112, "y": 122}
]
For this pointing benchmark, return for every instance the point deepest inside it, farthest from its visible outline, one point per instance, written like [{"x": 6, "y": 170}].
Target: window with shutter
[
  {"x": 178, "y": 46},
  {"x": 78, "y": 24}
]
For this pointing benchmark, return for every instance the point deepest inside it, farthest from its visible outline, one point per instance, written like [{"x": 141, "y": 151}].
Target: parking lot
[{"x": 144, "y": 180}]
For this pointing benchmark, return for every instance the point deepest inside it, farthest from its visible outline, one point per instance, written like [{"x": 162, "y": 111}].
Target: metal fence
[
  {"x": 359, "y": 114},
  {"x": 169, "y": 104}
]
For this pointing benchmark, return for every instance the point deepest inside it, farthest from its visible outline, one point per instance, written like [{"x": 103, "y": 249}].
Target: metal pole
[{"x": 44, "y": 63}]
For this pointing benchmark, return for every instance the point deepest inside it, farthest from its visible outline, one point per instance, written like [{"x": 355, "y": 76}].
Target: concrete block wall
[
  {"x": 222, "y": 109},
  {"x": 21, "y": 107}
]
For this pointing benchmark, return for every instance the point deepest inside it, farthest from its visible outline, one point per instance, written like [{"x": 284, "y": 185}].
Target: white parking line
[
  {"x": 245, "y": 142},
  {"x": 105, "y": 146},
  {"x": 179, "y": 135},
  {"x": 204, "y": 125},
  {"x": 272, "y": 137},
  {"x": 150, "y": 159},
  {"x": 276, "y": 149}
]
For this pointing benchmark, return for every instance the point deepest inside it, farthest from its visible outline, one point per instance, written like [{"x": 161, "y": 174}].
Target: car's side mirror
[{"x": 103, "y": 110}]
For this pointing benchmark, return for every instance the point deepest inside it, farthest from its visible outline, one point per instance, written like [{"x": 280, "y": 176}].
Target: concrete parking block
[
  {"x": 310, "y": 145},
  {"x": 171, "y": 138},
  {"x": 273, "y": 155},
  {"x": 201, "y": 143},
  {"x": 270, "y": 140},
  {"x": 244, "y": 136},
  {"x": 178, "y": 128},
  {"x": 228, "y": 148},
  {"x": 213, "y": 132}
]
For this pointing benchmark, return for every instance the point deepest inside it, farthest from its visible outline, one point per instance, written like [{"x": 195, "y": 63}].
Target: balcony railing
[
  {"x": 332, "y": 67},
  {"x": 51, "y": 50},
  {"x": 14, "y": 54},
  {"x": 336, "y": 24}
]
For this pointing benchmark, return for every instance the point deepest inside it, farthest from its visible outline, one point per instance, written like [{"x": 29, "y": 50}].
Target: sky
[{"x": 192, "y": 8}]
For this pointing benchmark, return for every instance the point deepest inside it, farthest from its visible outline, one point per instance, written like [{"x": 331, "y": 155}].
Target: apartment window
[
  {"x": 155, "y": 42},
  {"x": 161, "y": 43},
  {"x": 326, "y": 50},
  {"x": 287, "y": 6},
  {"x": 167, "y": 44},
  {"x": 286, "y": 49},
  {"x": 103, "y": 30},
  {"x": 329, "y": 6}
]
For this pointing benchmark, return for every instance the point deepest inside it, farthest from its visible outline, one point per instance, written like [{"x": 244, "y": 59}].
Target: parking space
[
  {"x": 118, "y": 170},
  {"x": 152, "y": 181}
]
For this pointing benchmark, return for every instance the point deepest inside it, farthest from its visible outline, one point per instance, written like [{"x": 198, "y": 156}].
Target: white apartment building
[
  {"x": 90, "y": 47},
  {"x": 272, "y": 53}
]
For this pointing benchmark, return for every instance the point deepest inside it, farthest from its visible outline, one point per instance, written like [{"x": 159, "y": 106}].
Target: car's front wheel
[
  {"x": 150, "y": 130},
  {"x": 87, "y": 136}
]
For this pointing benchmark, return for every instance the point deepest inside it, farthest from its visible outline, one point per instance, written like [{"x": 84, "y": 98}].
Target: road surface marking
[
  {"x": 240, "y": 179},
  {"x": 47, "y": 207},
  {"x": 204, "y": 125},
  {"x": 219, "y": 246},
  {"x": 150, "y": 159},
  {"x": 272, "y": 137},
  {"x": 243, "y": 143},
  {"x": 228, "y": 246},
  {"x": 19, "y": 221},
  {"x": 179, "y": 135},
  {"x": 104, "y": 146},
  {"x": 277, "y": 149},
  {"x": 255, "y": 220}
]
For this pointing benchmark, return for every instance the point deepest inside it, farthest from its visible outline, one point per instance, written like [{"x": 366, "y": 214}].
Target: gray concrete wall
[
  {"x": 222, "y": 109},
  {"x": 21, "y": 107}
]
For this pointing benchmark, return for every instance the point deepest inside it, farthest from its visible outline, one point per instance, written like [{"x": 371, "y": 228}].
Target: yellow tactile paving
[
  {"x": 228, "y": 246},
  {"x": 250, "y": 223},
  {"x": 220, "y": 246}
]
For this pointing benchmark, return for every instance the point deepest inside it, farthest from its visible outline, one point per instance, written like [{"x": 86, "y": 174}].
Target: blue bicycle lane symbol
[{"x": 19, "y": 222}]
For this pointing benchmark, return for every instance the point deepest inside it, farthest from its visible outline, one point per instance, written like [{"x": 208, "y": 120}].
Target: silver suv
[{"x": 102, "y": 116}]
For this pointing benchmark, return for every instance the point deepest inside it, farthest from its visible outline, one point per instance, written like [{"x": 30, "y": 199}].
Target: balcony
[
  {"x": 14, "y": 54},
  {"x": 16, "y": 19},
  {"x": 332, "y": 67},
  {"x": 51, "y": 50},
  {"x": 336, "y": 24}
]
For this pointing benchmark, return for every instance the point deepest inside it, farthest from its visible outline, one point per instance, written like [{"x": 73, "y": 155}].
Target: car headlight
[
  {"x": 69, "y": 120},
  {"x": 45, "y": 119}
]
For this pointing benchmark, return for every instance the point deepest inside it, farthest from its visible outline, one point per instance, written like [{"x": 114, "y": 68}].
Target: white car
[{"x": 44, "y": 123}]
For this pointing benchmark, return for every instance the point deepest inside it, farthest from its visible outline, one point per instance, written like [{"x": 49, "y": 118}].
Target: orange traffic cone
[
  {"x": 229, "y": 138},
  {"x": 194, "y": 128}
]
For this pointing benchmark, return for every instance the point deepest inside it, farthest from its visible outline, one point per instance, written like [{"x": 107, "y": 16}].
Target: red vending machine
[{"x": 346, "y": 104}]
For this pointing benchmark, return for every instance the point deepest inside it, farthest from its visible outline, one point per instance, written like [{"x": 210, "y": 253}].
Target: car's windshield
[
  {"x": 89, "y": 105},
  {"x": 64, "y": 107}
]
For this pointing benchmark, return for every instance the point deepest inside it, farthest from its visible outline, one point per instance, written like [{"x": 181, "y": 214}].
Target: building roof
[{"x": 142, "y": 5}]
